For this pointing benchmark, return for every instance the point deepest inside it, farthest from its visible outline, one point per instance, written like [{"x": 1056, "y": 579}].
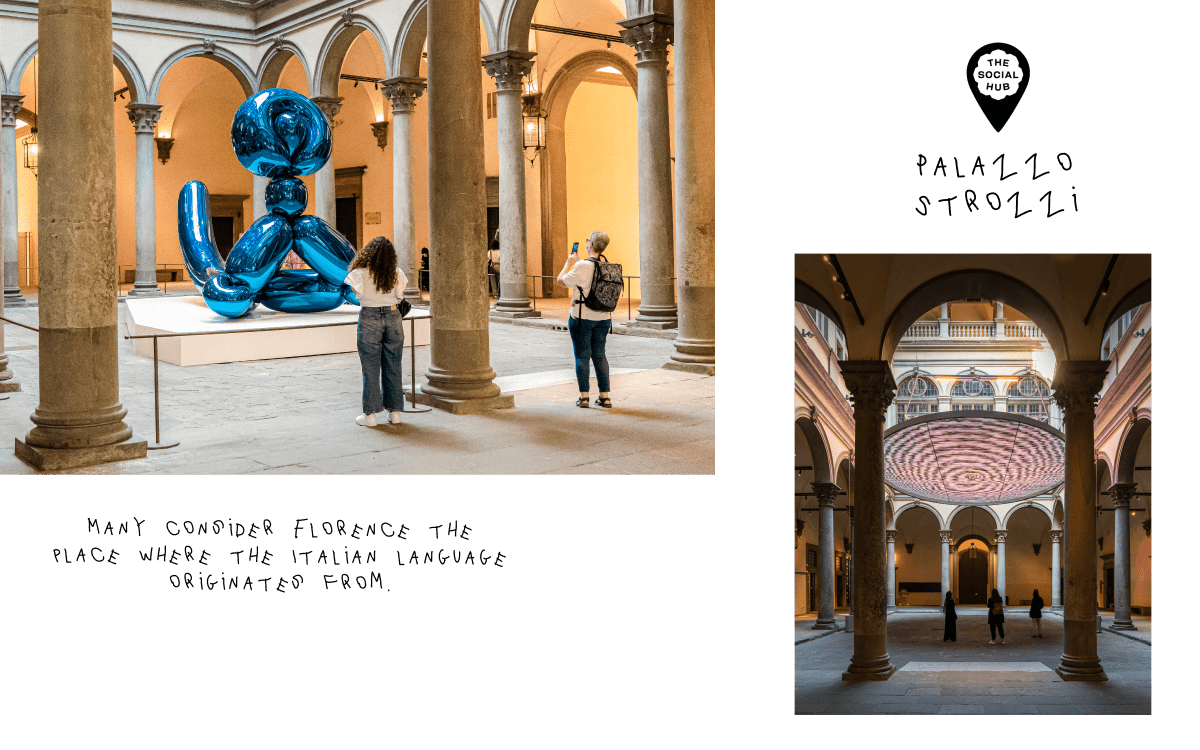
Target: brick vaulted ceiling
[{"x": 980, "y": 459}]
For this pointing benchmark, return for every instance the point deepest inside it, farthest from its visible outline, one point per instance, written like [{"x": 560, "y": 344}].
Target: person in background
[
  {"x": 951, "y": 632},
  {"x": 589, "y": 328},
  {"x": 376, "y": 278},
  {"x": 996, "y": 616},
  {"x": 1035, "y": 613},
  {"x": 423, "y": 276}
]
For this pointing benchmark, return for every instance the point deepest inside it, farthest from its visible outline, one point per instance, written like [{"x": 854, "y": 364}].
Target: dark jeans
[
  {"x": 587, "y": 338},
  {"x": 993, "y": 626},
  {"x": 380, "y": 349}
]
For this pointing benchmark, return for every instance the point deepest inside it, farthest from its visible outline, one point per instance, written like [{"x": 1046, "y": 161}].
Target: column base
[
  {"x": 463, "y": 406},
  {"x": 497, "y": 312},
  {"x": 15, "y": 299},
  {"x": 1123, "y": 625},
  {"x": 878, "y": 676},
  {"x": 697, "y": 367},
  {"x": 9, "y": 386},
  {"x": 830, "y": 624},
  {"x": 146, "y": 290},
  {"x": 1071, "y": 675},
  {"x": 57, "y": 459},
  {"x": 659, "y": 324}
]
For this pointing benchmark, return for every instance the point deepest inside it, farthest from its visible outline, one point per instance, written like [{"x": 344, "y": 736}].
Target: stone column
[
  {"x": 1000, "y": 582},
  {"x": 143, "y": 117},
  {"x": 1075, "y": 387},
  {"x": 944, "y": 321},
  {"x": 79, "y": 417},
  {"x": 404, "y": 93},
  {"x": 326, "y": 202},
  {"x": 850, "y": 563},
  {"x": 872, "y": 387},
  {"x": 1122, "y": 495},
  {"x": 509, "y": 70},
  {"x": 695, "y": 188},
  {"x": 460, "y": 376},
  {"x": 998, "y": 320},
  {"x": 826, "y": 494},
  {"x": 10, "y": 104},
  {"x": 891, "y": 569},
  {"x": 945, "y": 564},
  {"x": 1055, "y": 570},
  {"x": 649, "y": 36},
  {"x": 260, "y": 196}
]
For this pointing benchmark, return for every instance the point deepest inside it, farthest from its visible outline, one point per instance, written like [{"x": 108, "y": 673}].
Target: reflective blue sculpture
[{"x": 282, "y": 135}]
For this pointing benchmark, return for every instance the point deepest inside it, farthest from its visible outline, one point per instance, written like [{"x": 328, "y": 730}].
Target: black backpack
[{"x": 607, "y": 286}]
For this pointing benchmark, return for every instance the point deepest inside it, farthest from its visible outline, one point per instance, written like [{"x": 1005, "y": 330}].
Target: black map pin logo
[{"x": 998, "y": 75}]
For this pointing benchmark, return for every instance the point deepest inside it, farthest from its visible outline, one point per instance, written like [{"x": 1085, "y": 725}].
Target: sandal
[
  {"x": 582, "y": 403},
  {"x": 604, "y": 402}
]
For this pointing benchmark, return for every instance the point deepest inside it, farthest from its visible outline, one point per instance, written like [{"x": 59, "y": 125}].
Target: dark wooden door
[
  {"x": 1108, "y": 588},
  {"x": 222, "y": 227},
  {"x": 347, "y": 220},
  {"x": 972, "y": 577}
]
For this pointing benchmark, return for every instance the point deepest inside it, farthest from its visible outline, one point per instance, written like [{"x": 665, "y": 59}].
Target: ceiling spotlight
[{"x": 1104, "y": 287}]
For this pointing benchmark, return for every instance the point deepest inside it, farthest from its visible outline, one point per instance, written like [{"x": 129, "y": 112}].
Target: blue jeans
[
  {"x": 380, "y": 349},
  {"x": 587, "y": 338}
]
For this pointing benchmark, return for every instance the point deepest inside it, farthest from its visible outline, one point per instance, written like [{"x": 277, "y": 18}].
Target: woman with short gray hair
[{"x": 589, "y": 328}]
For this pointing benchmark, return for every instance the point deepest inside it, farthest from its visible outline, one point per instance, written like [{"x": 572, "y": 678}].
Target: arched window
[
  {"x": 914, "y": 397},
  {"x": 1029, "y": 397},
  {"x": 974, "y": 388}
]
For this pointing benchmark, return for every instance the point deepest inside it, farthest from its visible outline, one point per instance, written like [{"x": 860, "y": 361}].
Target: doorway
[
  {"x": 347, "y": 219},
  {"x": 972, "y": 577},
  {"x": 1108, "y": 588}
]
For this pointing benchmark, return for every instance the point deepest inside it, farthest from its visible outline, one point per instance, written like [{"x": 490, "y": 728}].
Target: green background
[{"x": 641, "y": 611}]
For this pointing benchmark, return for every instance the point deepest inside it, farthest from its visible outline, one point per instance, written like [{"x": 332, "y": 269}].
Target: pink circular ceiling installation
[{"x": 981, "y": 459}]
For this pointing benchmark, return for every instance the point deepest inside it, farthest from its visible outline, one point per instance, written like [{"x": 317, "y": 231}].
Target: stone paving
[
  {"x": 297, "y": 415},
  {"x": 1014, "y": 678}
]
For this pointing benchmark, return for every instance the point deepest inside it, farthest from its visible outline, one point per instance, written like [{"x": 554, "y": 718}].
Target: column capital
[
  {"x": 891, "y": 536},
  {"x": 509, "y": 69},
  {"x": 403, "y": 92},
  {"x": 1056, "y": 536},
  {"x": 826, "y": 492},
  {"x": 649, "y": 36},
  {"x": 10, "y": 105},
  {"x": 143, "y": 117},
  {"x": 1076, "y": 384},
  {"x": 1001, "y": 536},
  {"x": 1122, "y": 494},
  {"x": 870, "y": 383},
  {"x": 329, "y": 105},
  {"x": 946, "y": 536}
]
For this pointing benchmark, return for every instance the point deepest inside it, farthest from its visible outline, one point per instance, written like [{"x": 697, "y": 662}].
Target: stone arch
[
  {"x": 133, "y": 76},
  {"x": 1139, "y": 295},
  {"x": 1027, "y": 504},
  {"x": 554, "y": 160},
  {"x": 333, "y": 52},
  {"x": 889, "y": 515},
  {"x": 924, "y": 506},
  {"x": 969, "y": 537},
  {"x": 806, "y": 295},
  {"x": 13, "y": 85},
  {"x": 975, "y": 283},
  {"x": 817, "y": 447},
  {"x": 1127, "y": 454},
  {"x": 410, "y": 38},
  {"x": 273, "y": 63},
  {"x": 513, "y": 28},
  {"x": 1058, "y": 515},
  {"x": 985, "y": 508},
  {"x": 3, "y": 80},
  {"x": 234, "y": 64}
]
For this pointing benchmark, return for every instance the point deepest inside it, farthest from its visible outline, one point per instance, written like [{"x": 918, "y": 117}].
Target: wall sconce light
[
  {"x": 30, "y": 145},
  {"x": 846, "y": 543},
  {"x": 908, "y": 548},
  {"x": 799, "y": 527},
  {"x": 533, "y": 125},
  {"x": 164, "y": 148},
  {"x": 806, "y": 334},
  {"x": 1137, "y": 334},
  {"x": 380, "y": 129},
  {"x": 1037, "y": 548},
  {"x": 1146, "y": 526},
  {"x": 1100, "y": 542}
]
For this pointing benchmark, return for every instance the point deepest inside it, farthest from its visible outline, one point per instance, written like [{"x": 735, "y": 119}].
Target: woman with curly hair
[{"x": 376, "y": 278}]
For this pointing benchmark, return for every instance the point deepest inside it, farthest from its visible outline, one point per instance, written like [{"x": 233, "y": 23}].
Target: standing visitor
[
  {"x": 1035, "y": 613},
  {"x": 996, "y": 616},
  {"x": 951, "y": 633},
  {"x": 589, "y": 328},
  {"x": 376, "y": 278}
]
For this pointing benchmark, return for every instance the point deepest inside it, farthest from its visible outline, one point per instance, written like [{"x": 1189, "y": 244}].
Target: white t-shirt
[
  {"x": 581, "y": 276},
  {"x": 368, "y": 296}
]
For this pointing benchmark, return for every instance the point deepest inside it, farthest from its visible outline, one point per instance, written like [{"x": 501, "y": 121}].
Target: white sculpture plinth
[{"x": 249, "y": 338}]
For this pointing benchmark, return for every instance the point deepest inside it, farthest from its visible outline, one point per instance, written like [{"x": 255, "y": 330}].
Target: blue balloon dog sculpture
[{"x": 282, "y": 135}]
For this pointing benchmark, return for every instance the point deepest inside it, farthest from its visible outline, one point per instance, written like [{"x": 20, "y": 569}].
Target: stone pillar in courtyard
[
  {"x": 1055, "y": 568},
  {"x": 1075, "y": 387},
  {"x": 872, "y": 387},
  {"x": 826, "y": 493},
  {"x": 260, "y": 196},
  {"x": 509, "y": 70},
  {"x": 79, "y": 419},
  {"x": 143, "y": 117},
  {"x": 649, "y": 36},
  {"x": 10, "y": 104},
  {"x": 325, "y": 207},
  {"x": 404, "y": 93},
  {"x": 695, "y": 188},
  {"x": 945, "y": 535},
  {"x": 460, "y": 375},
  {"x": 850, "y": 561},
  {"x": 1122, "y": 495},
  {"x": 1000, "y": 567},
  {"x": 891, "y": 569}
]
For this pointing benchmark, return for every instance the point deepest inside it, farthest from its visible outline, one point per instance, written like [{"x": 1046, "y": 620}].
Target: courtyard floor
[
  {"x": 297, "y": 415},
  {"x": 968, "y": 676}
]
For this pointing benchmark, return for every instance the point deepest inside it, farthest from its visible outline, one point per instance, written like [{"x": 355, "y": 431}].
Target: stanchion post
[{"x": 158, "y": 443}]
